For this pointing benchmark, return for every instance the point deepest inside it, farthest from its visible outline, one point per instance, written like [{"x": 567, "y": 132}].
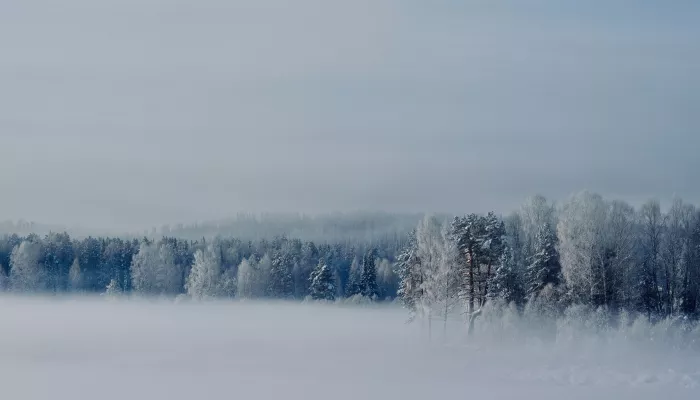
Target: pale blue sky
[{"x": 131, "y": 113}]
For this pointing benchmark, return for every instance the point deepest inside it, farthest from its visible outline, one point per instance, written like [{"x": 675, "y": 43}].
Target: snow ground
[{"x": 97, "y": 349}]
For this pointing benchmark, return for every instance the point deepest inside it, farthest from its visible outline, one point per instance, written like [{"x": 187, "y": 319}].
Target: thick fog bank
[{"x": 97, "y": 348}]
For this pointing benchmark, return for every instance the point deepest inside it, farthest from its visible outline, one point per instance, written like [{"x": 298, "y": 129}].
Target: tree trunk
[
  {"x": 471, "y": 282},
  {"x": 472, "y": 318}
]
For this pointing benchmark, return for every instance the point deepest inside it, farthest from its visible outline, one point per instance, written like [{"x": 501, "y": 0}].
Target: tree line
[
  {"x": 586, "y": 251},
  {"x": 280, "y": 268},
  {"x": 545, "y": 256}
]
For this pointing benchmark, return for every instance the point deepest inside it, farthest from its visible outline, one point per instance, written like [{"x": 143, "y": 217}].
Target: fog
[
  {"x": 129, "y": 114},
  {"x": 63, "y": 348}
]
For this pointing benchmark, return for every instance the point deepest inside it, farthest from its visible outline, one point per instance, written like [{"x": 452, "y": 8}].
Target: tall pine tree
[
  {"x": 544, "y": 267},
  {"x": 322, "y": 283},
  {"x": 368, "y": 281},
  {"x": 505, "y": 282}
]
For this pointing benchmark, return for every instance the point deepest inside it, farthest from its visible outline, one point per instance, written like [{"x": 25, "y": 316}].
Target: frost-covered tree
[
  {"x": 75, "y": 276},
  {"x": 468, "y": 233},
  {"x": 205, "y": 278},
  {"x": 113, "y": 288},
  {"x": 368, "y": 281},
  {"x": 354, "y": 285},
  {"x": 322, "y": 283},
  {"x": 479, "y": 241},
  {"x": 492, "y": 249},
  {"x": 439, "y": 275},
  {"x": 678, "y": 229},
  {"x": 386, "y": 278},
  {"x": 281, "y": 282},
  {"x": 620, "y": 254},
  {"x": 534, "y": 213},
  {"x": 444, "y": 283},
  {"x": 57, "y": 258},
  {"x": 690, "y": 279},
  {"x": 4, "y": 279},
  {"x": 544, "y": 268},
  {"x": 581, "y": 233},
  {"x": 262, "y": 273},
  {"x": 652, "y": 225},
  {"x": 154, "y": 271},
  {"x": 515, "y": 242},
  {"x": 26, "y": 273},
  {"x": 505, "y": 283},
  {"x": 411, "y": 276},
  {"x": 246, "y": 280}
]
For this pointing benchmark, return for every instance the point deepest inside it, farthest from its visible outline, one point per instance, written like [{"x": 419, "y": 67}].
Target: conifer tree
[
  {"x": 505, "y": 283},
  {"x": 368, "y": 282},
  {"x": 408, "y": 269},
  {"x": 322, "y": 283},
  {"x": 353, "y": 285},
  {"x": 281, "y": 283},
  {"x": 544, "y": 267}
]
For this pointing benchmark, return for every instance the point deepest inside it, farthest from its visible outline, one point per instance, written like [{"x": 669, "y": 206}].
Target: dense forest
[
  {"x": 221, "y": 267},
  {"x": 544, "y": 259},
  {"x": 587, "y": 250}
]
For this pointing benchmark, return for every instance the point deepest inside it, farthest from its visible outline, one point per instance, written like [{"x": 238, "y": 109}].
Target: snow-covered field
[{"x": 99, "y": 349}]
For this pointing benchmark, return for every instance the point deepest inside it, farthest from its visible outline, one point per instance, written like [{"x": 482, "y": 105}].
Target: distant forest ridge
[{"x": 365, "y": 226}]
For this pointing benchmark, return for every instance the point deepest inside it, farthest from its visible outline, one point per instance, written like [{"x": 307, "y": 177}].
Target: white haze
[
  {"x": 133, "y": 113},
  {"x": 76, "y": 349}
]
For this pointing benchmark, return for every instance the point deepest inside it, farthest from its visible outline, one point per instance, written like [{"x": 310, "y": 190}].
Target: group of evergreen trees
[
  {"x": 281, "y": 268},
  {"x": 587, "y": 251}
]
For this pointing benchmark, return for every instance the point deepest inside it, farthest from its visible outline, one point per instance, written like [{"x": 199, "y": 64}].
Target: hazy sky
[{"x": 128, "y": 113}]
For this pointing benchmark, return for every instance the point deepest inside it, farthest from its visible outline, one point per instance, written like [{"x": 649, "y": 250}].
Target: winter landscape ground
[{"x": 97, "y": 348}]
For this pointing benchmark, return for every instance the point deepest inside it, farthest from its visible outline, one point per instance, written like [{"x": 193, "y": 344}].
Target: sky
[{"x": 134, "y": 113}]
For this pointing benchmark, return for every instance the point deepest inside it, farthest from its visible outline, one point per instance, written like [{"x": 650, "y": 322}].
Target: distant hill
[{"x": 356, "y": 226}]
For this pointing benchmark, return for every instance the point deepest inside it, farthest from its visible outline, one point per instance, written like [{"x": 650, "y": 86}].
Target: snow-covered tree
[
  {"x": 245, "y": 280},
  {"x": 409, "y": 271},
  {"x": 444, "y": 284},
  {"x": 479, "y": 240},
  {"x": 205, "y": 278},
  {"x": 620, "y": 258},
  {"x": 386, "y": 278},
  {"x": 4, "y": 279},
  {"x": 492, "y": 249},
  {"x": 228, "y": 284},
  {"x": 580, "y": 232},
  {"x": 368, "y": 281},
  {"x": 439, "y": 275},
  {"x": 322, "y": 283},
  {"x": 652, "y": 226},
  {"x": 534, "y": 213},
  {"x": 690, "y": 279},
  {"x": 113, "y": 289},
  {"x": 75, "y": 276},
  {"x": 515, "y": 241},
  {"x": 544, "y": 268},
  {"x": 26, "y": 273},
  {"x": 353, "y": 285},
  {"x": 281, "y": 282},
  {"x": 56, "y": 259},
  {"x": 262, "y": 273},
  {"x": 154, "y": 271},
  {"x": 678, "y": 229},
  {"x": 505, "y": 283},
  {"x": 467, "y": 232}
]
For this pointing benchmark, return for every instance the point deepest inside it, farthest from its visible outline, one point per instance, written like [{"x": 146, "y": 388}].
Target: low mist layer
[{"x": 85, "y": 348}]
